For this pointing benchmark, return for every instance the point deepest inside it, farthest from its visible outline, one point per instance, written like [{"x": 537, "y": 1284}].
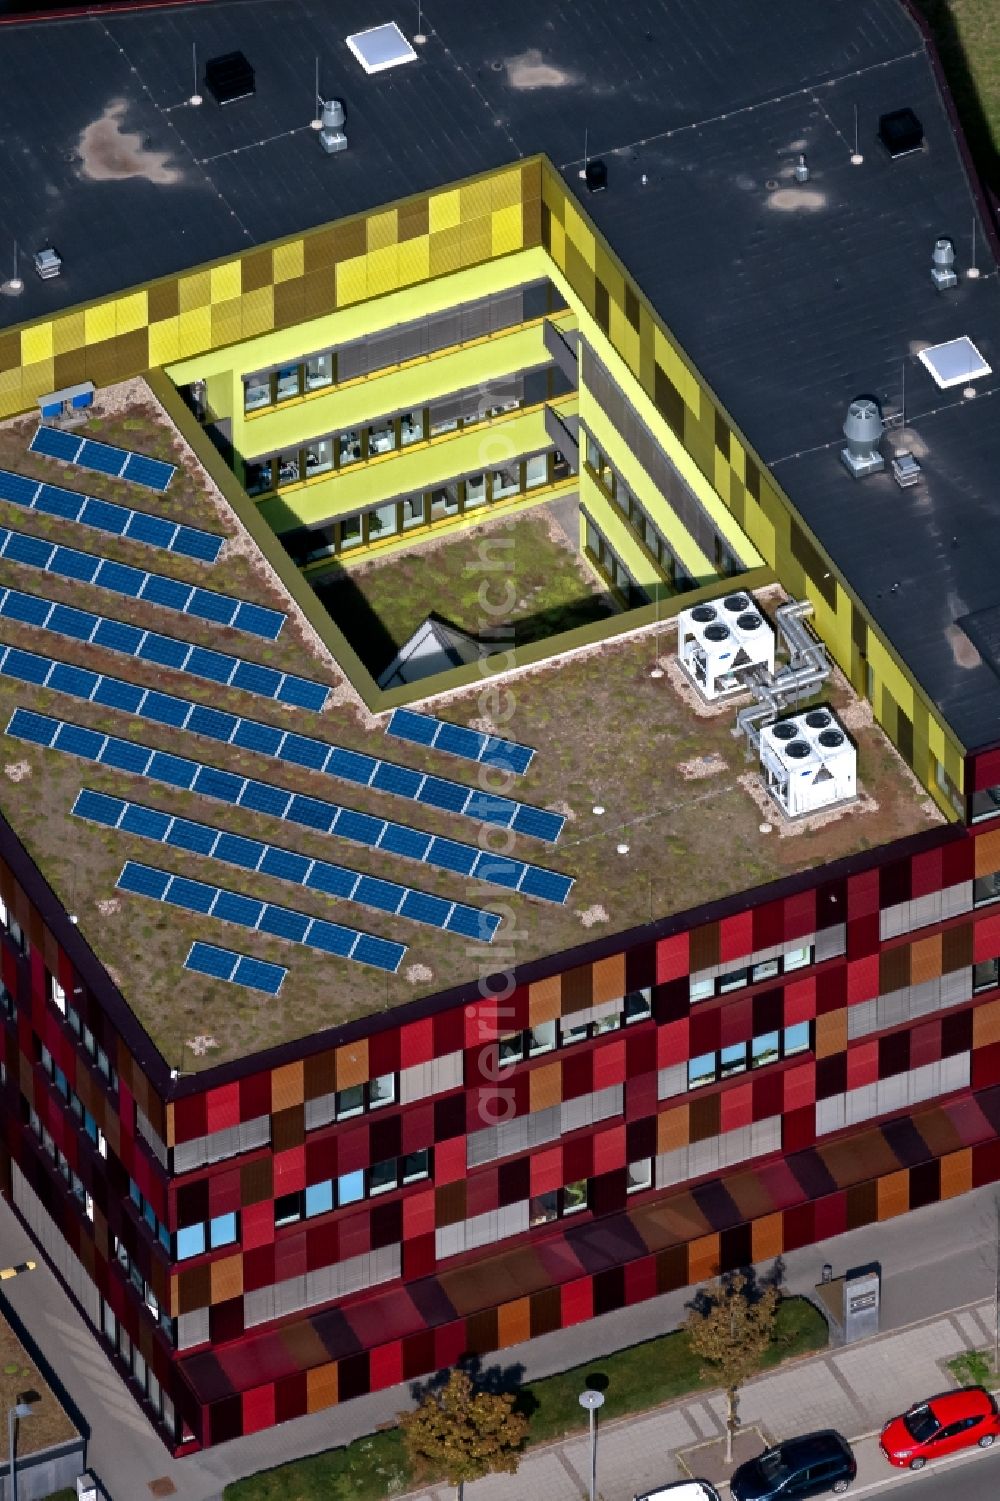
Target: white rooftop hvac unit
[
  {"x": 718, "y": 642},
  {"x": 809, "y": 762}
]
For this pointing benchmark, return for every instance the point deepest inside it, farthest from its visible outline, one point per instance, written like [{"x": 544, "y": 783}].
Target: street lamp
[
  {"x": 21, "y": 1409},
  {"x": 590, "y": 1402}
]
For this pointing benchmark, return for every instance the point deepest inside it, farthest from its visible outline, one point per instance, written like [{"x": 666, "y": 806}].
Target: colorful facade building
[{"x": 406, "y": 952}]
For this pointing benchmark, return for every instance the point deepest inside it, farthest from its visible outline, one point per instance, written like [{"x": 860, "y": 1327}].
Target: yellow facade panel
[
  {"x": 37, "y": 380},
  {"x": 722, "y": 476},
  {"x": 194, "y": 330},
  {"x": 507, "y": 229},
  {"x": 99, "y": 322},
  {"x": 69, "y": 333},
  {"x": 194, "y": 291},
  {"x": 414, "y": 260},
  {"x": 37, "y": 343},
  {"x": 352, "y": 280},
  {"x": 164, "y": 342},
  {"x": 10, "y": 392},
  {"x": 288, "y": 260},
  {"x": 383, "y": 271},
  {"x": 131, "y": 312},
  {"x": 474, "y": 201},
  {"x": 444, "y": 210},
  {"x": 258, "y": 312},
  {"x": 505, "y": 189},
  {"x": 477, "y": 241},
  {"x": 446, "y": 251},
  {"x": 227, "y": 322},
  {"x": 225, "y": 282},
  {"x": 382, "y": 230}
]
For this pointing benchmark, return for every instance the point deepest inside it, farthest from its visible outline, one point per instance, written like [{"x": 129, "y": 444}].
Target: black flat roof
[{"x": 790, "y": 299}]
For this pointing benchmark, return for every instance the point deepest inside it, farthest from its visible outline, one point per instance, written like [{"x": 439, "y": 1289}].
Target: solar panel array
[
  {"x": 107, "y": 516},
  {"x": 233, "y": 729},
  {"x": 458, "y": 740},
  {"x": 145, "y": 646},
  {"x": 237, "y": 969},
  {"x": 309, "y": 812},
  {"x": 260, "y": 917},
  {"x": 105, "y": 458},
  {"x": 137, "y": 583},
  {"x": 287, "y": 865}
]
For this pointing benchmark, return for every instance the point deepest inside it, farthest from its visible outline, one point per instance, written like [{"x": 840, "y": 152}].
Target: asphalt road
[{"x": 973, "y": 1477}]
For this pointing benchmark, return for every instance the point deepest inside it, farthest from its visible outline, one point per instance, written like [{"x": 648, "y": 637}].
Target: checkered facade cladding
[{"x": 565, "y": 1183}]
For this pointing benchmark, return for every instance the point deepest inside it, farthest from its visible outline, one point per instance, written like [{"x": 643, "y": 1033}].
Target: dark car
[
  {"x": 955, "y": 1420},
  {"x": 811, "y": 1465}
]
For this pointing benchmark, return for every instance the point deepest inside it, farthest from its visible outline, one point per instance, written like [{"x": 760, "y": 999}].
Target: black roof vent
[
  {"x": 831, "y": 739},
  {"x": 703, "y": 613},
  {"x": 716, "y": 632},
  {"x": 900, "y": 132},
  {"x": 229, "y": 77},
  {"x": 797, "y": 749},
  {"x": 595, "y": 175},
  {"x": 785, "y": 730},
  {"x": 749, "y": 622},
  {"x": 817, "y": 719}
]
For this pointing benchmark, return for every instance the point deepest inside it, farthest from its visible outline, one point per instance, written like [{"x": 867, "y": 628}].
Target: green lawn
[
  {"x": 633, "y": 1380},
  {"x": 967, "y": 33},
  {"x": 536, "y": 585}
]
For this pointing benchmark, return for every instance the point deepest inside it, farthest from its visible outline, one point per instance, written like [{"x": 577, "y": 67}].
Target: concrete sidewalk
[{"x": 852, "y": 1389}]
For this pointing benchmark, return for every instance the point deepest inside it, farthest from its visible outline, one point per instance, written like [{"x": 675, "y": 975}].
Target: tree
[
  {"x": 730, "y": 1329},
  {"x": 463, "y": 1433}
]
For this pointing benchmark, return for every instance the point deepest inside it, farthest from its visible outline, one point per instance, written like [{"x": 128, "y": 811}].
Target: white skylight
[
  {"x": 381, "y": 47},
  {"x": 955, "y": 363}
]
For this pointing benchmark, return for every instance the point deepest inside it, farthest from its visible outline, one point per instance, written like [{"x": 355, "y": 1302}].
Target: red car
[{"x": 955, "y": 1420}]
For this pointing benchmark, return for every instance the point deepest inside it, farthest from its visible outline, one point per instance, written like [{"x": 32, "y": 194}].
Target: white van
[{"x": 682, "y": 1490}]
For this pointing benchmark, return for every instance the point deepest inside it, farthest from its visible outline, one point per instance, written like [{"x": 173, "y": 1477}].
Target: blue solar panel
[
  {"x": 210, "y": 664},
  {"x": 259, "y": 621},
  {"x": 75, "y": 680},
  {"x": 37, "y": 728},
  {"x": 146, "y": 822},
  {"x": 195, "y": 896},
  {"x": 256, "y": 679},
  {"x": 350, "y": 766},
  {"x": 236, "y": 850},
  {"x": 437, "y": 793},
  {"x": 104, "y": 516},
  {"x": 258, "y": 737},
  {"x": 548, "y": 885},
  {"x": 232, "y": 906},
  {"x": 422, "y": 907},
  {"x": 284, "y": 923},
  {"x": 507, "y": 755},
  {"x": 220, "y": 964},
  {"x": 332, "y": 938},
  {"x": 54, "y": 443},
  {"x": 452, "y": 856},
  {"x": 379, "y": 952},
  {"x": 26, "y": 607},
  {"x": 142, "y": 470},
  {"x": 66, "y": 621},
  {"x": 101, "y": 457},
  {"x": 121, "y": 579},
  {"x": 164, "y": 650},
  {"x": 414, "y": 727},
  {"x": 117, "y": 636},
  {"x": 471, "y": 923},
  {"x": 397, "y": 779},
  {"x": 458, "y": 741},
  {"x": 30, "y": 550},
  {"x": 332, "y": 880},
  {"x": 313, "y": 814},
  {"x": 384, "y": 895},
  {"x": 302, "y": 694},
  {"x": 286, "y": 865},
  {"x": 219, "y": 608},
  {"x": 399, "y": 840},
  {"x": 26, "y": 666},
  {"x": 359, "y": 827},
  {"x": 17, "y": 489},
  {"x": 171, "y": 594},
  {"x": 54, "y": 501},
  {"x": 99, "y": 808},
  {"x": 492, "y": 809},
  {"x": 499, "y": 870},
  {"x": 220, "y": 784},
  {"x": 212, "y": 723},
  {"x": 152, "y": 530},
  {"x": 257, "y": 975},
  {"x": 262, "y": 798},
  {"x": 538, "y": 823},
  {"x": 144, "y": 880},
  {"x": 162, "y": 708},
  {"x": 125, "y": 756},
  {"x": 176, "y": 771},
  {"x": 302, "y": 751},
  {"x": 74, "y": 565},
  {"x": 202, "y": 546}
]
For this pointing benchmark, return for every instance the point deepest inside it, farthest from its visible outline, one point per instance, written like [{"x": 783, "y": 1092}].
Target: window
[
  {"x": 511, "y": 1048},
  {"x": 536, "y": 471},
  {"x": 733, "y": 1060},
  {"x": 541, "y": 1039},
  {"x": 411, "y": 428},
  {"x": 381, "y": 439},
  {"x": 222, "y": 1231},
  {"x": 764, "y": 971},
  {"x": 986, "y": 889},
  {"x": 319, "y": 1198},
  {"x": 985, "y": 804},
  {"x": 351, "y": 1188},
  {"x": 190, "y": 1241},
  {"x": 574, "y": 1197},
  {"x": 796, "y": 1039},
  {"x": 734, "y": 980},
  {"x": 638, "y": 1006},
  {"x": 287, "y": 1209},
  {"x": 319, "y": 371},
  {"x": 413, "y": 512},
  {"x": 288, "y": 383},
  {"x": 475, "y": 491},
  {"x": 319, "y": 457},
  {"x": 796, "y": 958},
  {"x": 701, "y": 990},
  {"x": 289, "y": 471},
  {"x": 639, "y": 1175},
  {"x": 505, "y": 482},
  {"x": 701, "y": 1070},
  {"x": 704, "y": 987},
  {"x": 381, "y": 1091},
  {"x": 757, "y": 1053},
  {"x": 766, "y": 1049},
  {"x": 986, "y": 974},
  {"x": 382, "y": 522},
  {"x": 543, "y": 1209},
  {"x": 350, "y": 1101},
  {"x": 348, "y": 448},
  {"x": 383, "y": 1176},
  {"x": 444, "y": 502},
  {"x": 351, "y": 534},
  {"x": 57, "y": 995},
  {"x": 570, "y": 1034},
  {"x": 256, "y": 392},
  {"x": 442, "y": 423},
  {"x": 416, "y": 1165},
  {"x": 607, "y": 1023},
  {"x": 258, "y": 477}
]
